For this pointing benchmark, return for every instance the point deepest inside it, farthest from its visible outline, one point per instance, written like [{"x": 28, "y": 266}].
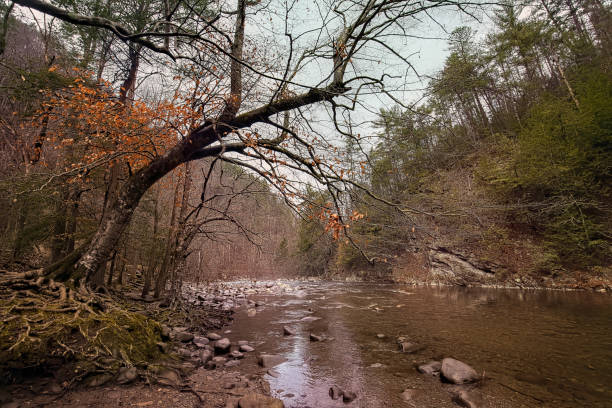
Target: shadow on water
[{"x": 534, "y": 348}]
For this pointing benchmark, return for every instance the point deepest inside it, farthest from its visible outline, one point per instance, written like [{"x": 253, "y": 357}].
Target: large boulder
[
  {"x": 259, "y": 401},
  {"x": 457, "y": 372}
]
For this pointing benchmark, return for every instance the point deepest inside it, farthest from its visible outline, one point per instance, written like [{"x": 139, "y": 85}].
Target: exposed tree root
[{"x": 43, "y": 320}]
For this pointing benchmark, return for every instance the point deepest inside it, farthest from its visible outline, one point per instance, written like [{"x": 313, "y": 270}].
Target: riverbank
[
  {"x": 206, "y": 359},
  {"x": 190, "y": 360}
]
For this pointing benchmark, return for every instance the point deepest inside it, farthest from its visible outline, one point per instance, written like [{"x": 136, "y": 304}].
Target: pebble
[{"x": 213, "y": 336}]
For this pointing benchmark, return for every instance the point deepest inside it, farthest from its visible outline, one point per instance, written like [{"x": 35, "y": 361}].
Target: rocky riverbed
[{"x": 321, "y": 344}]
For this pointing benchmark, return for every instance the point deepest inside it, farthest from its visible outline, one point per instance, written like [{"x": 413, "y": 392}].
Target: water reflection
[{"x": 535, "y": 348}]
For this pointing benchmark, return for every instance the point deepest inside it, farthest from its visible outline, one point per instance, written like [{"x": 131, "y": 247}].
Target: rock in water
[
  {"x": 314, "y": 337},
  {"x": 348, "y": 396},
  {"x": 259, "y": 401},
  {"x": 335, "y": 392},
  {"x": 269, "y": 360},
  {"x": 431, "y": 368},
  {"x": 246, "y": 348},
  {"x": 456, "y": 372},
  {"x": 288, "y": 331},
  {"x": 410, "y": 348},
  {"x": 127, "y": 375},
  {"x": 222, "y": 345}
]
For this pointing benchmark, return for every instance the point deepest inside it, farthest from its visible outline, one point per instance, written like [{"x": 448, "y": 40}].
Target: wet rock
[
  {"x": 269, "y": 360},
  {"x": 98, "y": 380},
  {"x": 288, "y": 331},
  {"x": 457, "y": 372},
  {"x": 315, "y": 337},
  {"x": 376, "y": 365},
  {"x": 200, "y": 341},
  {"x": 222, "y": 345},
  {"x": 431, "y": 368},
  {"x": 259, "y": 401},
  {"x": 236, "y": 354},
  {"x": 251, "y": 312},
  {"x": 182, "y": 336},
  {"x": 380, "y": 336},
  {"x": 246, "y": 348},
  {"x": 273, "y": 373},
  {"x": 335, "y": 392},
  {"x": 213, "y": 336},
  {"x": 127, "y": 375},
  {"x": 409, "y": 347},
  {"x": 468, "y": 399},
  {"x": 348, "y": 396}
]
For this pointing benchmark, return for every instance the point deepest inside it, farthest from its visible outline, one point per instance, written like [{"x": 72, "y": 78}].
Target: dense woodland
[{"x": 506, "y": 156}]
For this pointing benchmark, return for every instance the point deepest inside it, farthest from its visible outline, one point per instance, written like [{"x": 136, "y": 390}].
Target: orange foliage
[{"x": 89, "y": 119}]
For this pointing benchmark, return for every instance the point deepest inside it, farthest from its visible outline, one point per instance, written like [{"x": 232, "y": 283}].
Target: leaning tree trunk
[{"x": 195, "y": 146}]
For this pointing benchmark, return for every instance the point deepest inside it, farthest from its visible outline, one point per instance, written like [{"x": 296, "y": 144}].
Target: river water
[{"x": 534, "y": 348}]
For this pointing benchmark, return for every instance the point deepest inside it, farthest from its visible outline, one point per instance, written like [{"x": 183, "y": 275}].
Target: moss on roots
[{"x": 44, "y": 324}]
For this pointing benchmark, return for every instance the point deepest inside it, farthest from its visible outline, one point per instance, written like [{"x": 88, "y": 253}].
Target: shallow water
[{"x": 535, "y": 348}]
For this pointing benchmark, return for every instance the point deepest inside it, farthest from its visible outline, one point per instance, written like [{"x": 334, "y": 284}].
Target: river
[{"x": 535, "y": 348}]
